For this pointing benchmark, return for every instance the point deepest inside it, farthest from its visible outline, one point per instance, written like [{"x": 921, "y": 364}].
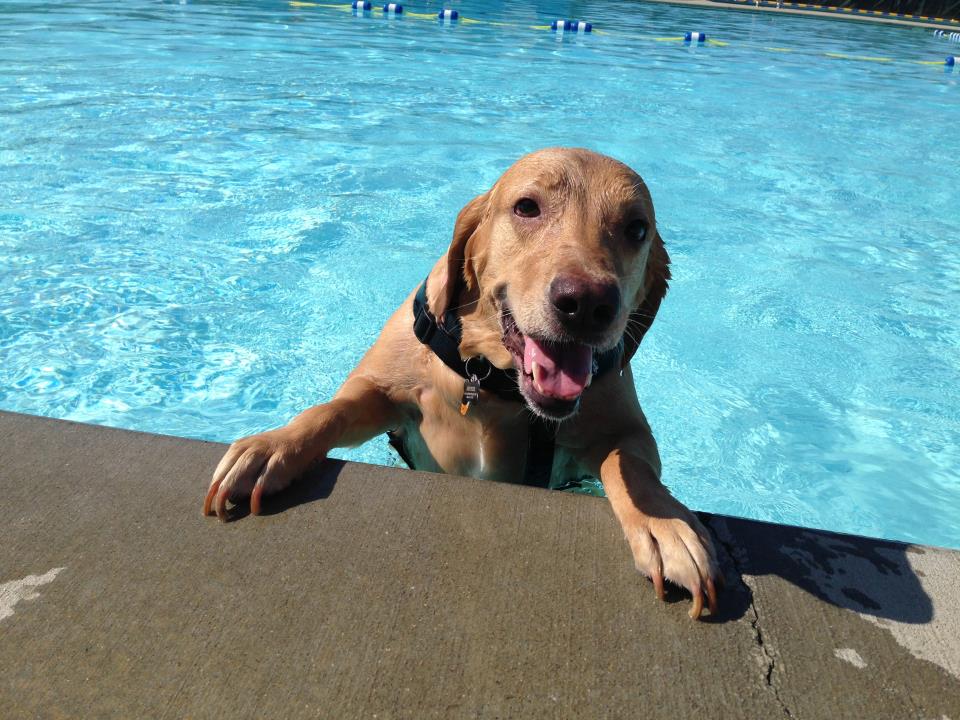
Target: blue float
[
  {"x": 362, "y": 5},
  {"x": 392, "y": 9},
  {"x": 951, "y": 61},
  {"x": 448, "y": 16},
  {"x": 697, "y": 37},
  {"x": 578, "y": 26}
]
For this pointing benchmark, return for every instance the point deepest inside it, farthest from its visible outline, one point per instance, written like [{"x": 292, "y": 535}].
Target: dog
[{"x": 511, "y": 362}]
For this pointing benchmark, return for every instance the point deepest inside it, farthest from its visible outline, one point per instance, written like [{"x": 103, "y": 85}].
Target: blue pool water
[{"x": 208, "y": 210}]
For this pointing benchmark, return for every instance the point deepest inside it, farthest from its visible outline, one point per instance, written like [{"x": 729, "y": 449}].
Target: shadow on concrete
[
  {"x": 871, "y": 577},
  {"x": 316, "y": 484}
]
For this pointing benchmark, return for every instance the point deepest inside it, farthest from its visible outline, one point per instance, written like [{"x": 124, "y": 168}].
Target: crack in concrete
[
  {"x": 771, "y": 661},
  {"x": 722, "y": 536}
]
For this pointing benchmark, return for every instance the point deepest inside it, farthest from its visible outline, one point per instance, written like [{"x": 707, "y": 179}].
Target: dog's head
[{"x": 552, "y": 266}]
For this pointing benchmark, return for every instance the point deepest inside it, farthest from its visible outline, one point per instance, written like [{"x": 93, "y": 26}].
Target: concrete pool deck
[{"x": 375, "y": 592}]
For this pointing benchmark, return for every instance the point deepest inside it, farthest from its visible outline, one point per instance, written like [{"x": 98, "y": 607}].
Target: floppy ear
[
  {"x": 456, "y": 268},
  {"x": 654, "y": 288}
]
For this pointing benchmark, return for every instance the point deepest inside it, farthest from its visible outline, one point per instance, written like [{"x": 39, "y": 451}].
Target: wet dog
[{"x": 515, "y": 352}]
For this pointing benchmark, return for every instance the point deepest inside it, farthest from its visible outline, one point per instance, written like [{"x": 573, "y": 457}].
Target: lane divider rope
[{"x": 574, "y": 27}]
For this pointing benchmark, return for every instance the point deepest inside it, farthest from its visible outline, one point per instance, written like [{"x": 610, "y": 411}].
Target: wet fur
[{"x": 495, "y": 258}]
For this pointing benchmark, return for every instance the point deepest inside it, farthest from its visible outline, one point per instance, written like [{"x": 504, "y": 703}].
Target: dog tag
[{"x": 471, "y": 393}]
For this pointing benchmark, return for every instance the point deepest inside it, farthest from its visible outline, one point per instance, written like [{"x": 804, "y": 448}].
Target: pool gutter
[
  {"x": 835, "y": 13},
  {"x": 378, "y": 592}
]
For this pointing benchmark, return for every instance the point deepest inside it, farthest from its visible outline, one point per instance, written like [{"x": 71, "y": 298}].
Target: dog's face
[{"x": 563, "y": 259}]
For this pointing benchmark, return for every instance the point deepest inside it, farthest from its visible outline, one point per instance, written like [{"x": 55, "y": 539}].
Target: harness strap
[
  {"x": 541, "y": 444},
  {"x": 444, "y": 341}
]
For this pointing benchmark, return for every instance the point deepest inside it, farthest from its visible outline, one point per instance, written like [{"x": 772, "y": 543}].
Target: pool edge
[
  {"x": 436, "y": 595},
  {"x": 832, "y": 14}
]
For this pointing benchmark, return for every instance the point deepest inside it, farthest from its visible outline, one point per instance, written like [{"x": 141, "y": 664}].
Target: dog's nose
[{"x": 583, "y": 305}]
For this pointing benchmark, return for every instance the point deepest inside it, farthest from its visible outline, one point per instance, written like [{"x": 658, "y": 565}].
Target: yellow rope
[
  {"x": 841, "y": 56},
  {"x": 679, "y": 38}
]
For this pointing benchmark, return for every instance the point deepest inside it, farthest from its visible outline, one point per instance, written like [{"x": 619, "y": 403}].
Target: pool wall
[
  {"x": 946, "y": 13},
  {"x": 373, "y": 592},
  {"x": 898, "y": 8}
]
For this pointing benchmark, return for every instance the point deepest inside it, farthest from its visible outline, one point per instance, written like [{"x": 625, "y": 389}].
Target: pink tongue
[{"x": 564, "y": 370}]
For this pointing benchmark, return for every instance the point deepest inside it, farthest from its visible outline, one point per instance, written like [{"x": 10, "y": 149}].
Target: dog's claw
[
  {"x": 254, "y": 467},
  {"x": 657, "y": 578},
  {"x": 255, "y": 497},
  {"x": 697, "y": 608},
  {"x": 221, "y": 505},
  {"x": 211, "y": 494},
  {"x": 679, "y": 549}
]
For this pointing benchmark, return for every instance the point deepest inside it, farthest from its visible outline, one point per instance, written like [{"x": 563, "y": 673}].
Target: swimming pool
[{"x": 208, "y": 210}]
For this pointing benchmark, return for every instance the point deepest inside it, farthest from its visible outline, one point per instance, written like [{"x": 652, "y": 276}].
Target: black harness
[{"x": 444, "y": 340}]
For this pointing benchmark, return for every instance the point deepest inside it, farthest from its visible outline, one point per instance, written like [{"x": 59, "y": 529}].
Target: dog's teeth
[
  {"x": 589, "y": 380},
  {"x": 537, "y": 371}
]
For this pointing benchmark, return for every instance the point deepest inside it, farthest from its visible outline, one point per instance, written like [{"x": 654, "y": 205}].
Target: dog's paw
[
  {"x": 670, "y": 543},
  {"x": 253, "y": 467}
]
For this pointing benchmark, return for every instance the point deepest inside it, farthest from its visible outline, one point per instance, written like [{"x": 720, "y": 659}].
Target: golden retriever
[{"x": 551, "y": 273}]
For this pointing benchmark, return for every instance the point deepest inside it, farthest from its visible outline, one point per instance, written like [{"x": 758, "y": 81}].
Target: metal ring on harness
[{"x": 466, "y": 366}]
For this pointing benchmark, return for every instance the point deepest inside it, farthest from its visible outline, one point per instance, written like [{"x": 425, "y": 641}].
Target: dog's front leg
[
  {"x": 667, "y": 540},
  {"x": 268, "y": 462}
]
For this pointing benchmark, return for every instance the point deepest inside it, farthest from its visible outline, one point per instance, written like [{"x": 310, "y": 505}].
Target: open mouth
[{"x": 552, "y": 374}]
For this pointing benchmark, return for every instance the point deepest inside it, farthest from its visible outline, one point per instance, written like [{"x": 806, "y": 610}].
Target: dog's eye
[
  {"x": 526, "y": 208},
  {"x": 637, "y": 231}
]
